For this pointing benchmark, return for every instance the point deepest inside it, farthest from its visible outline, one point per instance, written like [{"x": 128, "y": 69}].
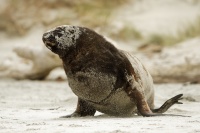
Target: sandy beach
[{"x": 35, "y": 106}]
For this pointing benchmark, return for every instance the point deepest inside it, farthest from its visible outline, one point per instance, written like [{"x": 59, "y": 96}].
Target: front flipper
[{"x": 82, "y": 109}]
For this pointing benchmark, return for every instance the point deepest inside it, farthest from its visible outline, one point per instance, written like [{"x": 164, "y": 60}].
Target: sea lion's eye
[{"x": 59, "y": 34}]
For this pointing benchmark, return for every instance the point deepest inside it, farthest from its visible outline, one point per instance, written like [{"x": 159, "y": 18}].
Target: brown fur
[{"x": 103, "y": 77}]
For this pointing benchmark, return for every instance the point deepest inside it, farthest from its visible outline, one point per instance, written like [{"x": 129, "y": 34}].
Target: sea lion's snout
[
  {"x": 48, "y": 40},
  {"x": 45, "y": 36}
]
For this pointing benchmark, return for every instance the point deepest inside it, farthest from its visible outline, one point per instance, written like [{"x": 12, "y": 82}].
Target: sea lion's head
[{"x": 61, "y": 39}]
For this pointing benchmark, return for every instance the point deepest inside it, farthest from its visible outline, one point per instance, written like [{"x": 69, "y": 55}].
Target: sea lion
[{"x": 103, "y": 77}]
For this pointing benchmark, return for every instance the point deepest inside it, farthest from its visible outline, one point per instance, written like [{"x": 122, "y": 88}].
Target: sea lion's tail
[{"x": 168, "y": 104}]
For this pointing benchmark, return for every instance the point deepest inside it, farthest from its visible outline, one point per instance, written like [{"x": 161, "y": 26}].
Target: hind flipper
[{"x": 168, "y": 104}]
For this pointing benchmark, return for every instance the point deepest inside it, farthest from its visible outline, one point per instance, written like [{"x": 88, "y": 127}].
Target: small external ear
[{"x": 59, "y": 45}]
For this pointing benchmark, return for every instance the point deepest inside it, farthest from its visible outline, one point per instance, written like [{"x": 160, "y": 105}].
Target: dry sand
[{"x": 35, "y": 106}]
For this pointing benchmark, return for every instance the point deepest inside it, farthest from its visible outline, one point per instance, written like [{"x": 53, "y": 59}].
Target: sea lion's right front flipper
[{"x": 82, "y": 109}]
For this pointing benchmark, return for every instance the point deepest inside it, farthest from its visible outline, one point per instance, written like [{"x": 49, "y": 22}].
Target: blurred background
[{"x": 163, "y": 34}]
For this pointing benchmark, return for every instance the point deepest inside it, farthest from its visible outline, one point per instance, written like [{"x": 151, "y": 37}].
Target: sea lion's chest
[
  {"x": 91, "y": 85},
  {"x": 98, "y": 89}
]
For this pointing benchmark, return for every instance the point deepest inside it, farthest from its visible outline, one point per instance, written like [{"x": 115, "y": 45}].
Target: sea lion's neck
[{"x": 68, "y": 59}]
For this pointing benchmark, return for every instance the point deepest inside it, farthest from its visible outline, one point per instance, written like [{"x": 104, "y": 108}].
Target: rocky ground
[{"x": 35, "y": 106}]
